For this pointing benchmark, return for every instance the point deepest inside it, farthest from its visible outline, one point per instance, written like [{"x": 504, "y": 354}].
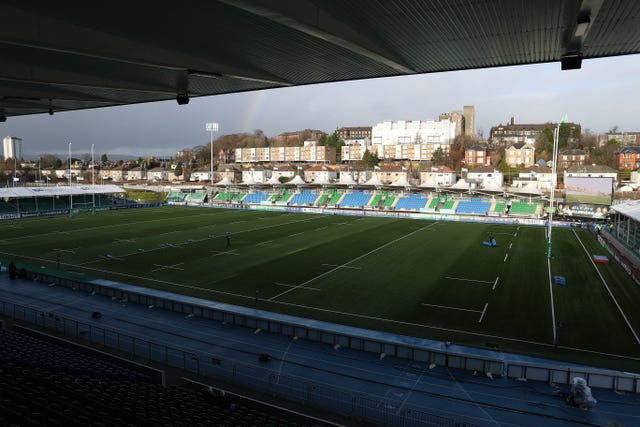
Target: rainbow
[{"x": 256, "y": 102}]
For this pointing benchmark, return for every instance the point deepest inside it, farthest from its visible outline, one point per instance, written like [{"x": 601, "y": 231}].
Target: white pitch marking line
[
  {"x": 265, "y": 242},
  {"x": 343, "y": 266},
  {"x": 450, "y": 308},
  {"x": 484, "y": 310},
  {"x": 510, "y": 244},
  {"x": 70, "y": 251},
  {"x": 353, "y": 260},
  {"x": 296, "y": 234},
  {"x": 468, "y": 280},
  {"x": 505, "y": 257},
  {"x": 124, "y": 241},
  {"x": 321, "y": 228},
  {"x": 495, "y": 283},
  {"x": 606, "y": 286},
  {"x": 168, "y": 267},
  {"x": 292, "y": 286},
  {"x": 61, "y": 232},
  {"x": 553, "y": 310},
  {"x": 216, "y": 253}
]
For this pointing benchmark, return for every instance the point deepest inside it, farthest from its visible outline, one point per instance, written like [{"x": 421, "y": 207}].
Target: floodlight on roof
[{"x": 182, "y": 98}]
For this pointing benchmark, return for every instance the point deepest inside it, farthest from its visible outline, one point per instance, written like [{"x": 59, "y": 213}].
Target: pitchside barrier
[{"x": 385, "y": 344}]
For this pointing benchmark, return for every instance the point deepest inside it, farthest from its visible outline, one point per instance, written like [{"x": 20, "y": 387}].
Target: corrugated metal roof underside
[{"x": 66, "y": 56}]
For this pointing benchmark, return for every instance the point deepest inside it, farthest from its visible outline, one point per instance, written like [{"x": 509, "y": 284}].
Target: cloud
[{"x": 602, "y": 94}]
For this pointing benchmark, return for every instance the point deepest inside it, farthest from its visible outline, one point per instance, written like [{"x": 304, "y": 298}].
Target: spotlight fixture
[
  {"x": 3, "y": 118},
  {"x": 182, "y": 98},
  {"x": 571, "y": 61}
]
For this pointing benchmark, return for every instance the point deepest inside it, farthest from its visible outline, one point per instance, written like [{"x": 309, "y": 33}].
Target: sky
[{"x": 603, "y": 94}]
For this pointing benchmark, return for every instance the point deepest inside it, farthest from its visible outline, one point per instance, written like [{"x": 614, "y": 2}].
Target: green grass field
[{"x": 420, "y": 278}]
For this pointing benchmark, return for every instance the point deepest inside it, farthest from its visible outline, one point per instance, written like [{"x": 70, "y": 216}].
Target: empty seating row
[
  {"x": 356, "y": 199},
  {"x": 523, "y": 208},
  {"x": 257, "y": 197},
  {"x": 304, "y": 197},
  {"x": 411, "y": 202},
  {"x": 474, "y": 206}
]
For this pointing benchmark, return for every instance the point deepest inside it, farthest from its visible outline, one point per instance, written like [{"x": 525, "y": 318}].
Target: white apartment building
[
  {"x": 12, "y": 147},
  {"x": 413, "y": 132}
]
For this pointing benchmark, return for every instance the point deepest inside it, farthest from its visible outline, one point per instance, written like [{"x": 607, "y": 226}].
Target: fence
[{"x": 290, "y": 387}]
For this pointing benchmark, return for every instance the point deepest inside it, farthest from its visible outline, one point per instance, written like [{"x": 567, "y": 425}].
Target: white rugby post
[
  {"x": 211, "y": 128},
  {"x": 554, "y": 180}
]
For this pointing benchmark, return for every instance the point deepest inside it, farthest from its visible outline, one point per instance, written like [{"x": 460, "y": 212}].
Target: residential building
[
  {"x": 520, "y": 154},
  {"x": 307, "y": 154},
  {"x": 114, "y": 174},
  {"x": 624, "y": 138},
  {"x": 627, "y": 157},
  {"x": 503, "y": 135},
  {"x": 136, "y": 173},
  {"x": 413, "y": 132},
  {"x": 158, "y": 174},
  {"x": 413, "y": 152},
  {"x": 477, "y": 155},
  {"x": 256, "y": 174},
  {"x": 485, "y": 177},
  {"x": 322, "y": 173},
  {"x": 12, "y": 147},
  {"x": 438, "y": 176},
  {"x": 226, "y": 156},
  {"x": 285, "y": 171},
  {"x": 573, "y": 157},
  {"x": 198, "y": 175},
  {"x": 388, "y": 174},
  {"x": 457, "y": 117},
  {"x": 354, "y": 132},
  {"x": 539, "y": 176},
  {"x": 230, "y": 172}
]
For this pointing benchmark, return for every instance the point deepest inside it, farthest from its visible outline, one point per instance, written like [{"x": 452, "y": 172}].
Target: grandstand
[{"x": 257, "y": 197}]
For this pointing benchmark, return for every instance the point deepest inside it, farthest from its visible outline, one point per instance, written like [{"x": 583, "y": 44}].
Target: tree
[
  {"x": 370, "y": 159},
  {"x": 605, "y": 154},
  {"x": 563, "y": 135},
  {"x": 178, "y": 170},
  {"x": 544, "y": 143},
  {"x": 439, "y": 157},
  {"x": 104, "y": 158}
]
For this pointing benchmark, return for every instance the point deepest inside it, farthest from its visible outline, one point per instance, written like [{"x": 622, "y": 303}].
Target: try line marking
[
  {"x": 349, "y": 262},
  {"x": 468, "y": 280},
  {"x": 217, "y": 253},
  {"x": 608, "y": 290}
]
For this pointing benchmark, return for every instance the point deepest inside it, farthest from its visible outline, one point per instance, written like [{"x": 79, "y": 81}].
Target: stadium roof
[
  {"x": 629, "y": 209},
  {"x": 52, "y": 191},
  {"x": 60, "y": 56}
]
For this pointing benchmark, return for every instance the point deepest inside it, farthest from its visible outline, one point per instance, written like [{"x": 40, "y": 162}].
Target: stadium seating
[
  {"x": 257, "y": 197},
  {"x": 449, "y": 207},
  {"x": 356, "y": 199},
  {"x": 176, "y": 196},
  {"x": 523, "y": 208},
  {"x": 474, "y": 206},
  {"x": 23, "y": 350},
  {"x": 282, "y": 196},
  {"x": 304, "y": 197},
  {"x": 42, "y": 383},
  {"x": 389, "y": 199},
  {"x": 376, "y": 200},
  {"x": 499, "y": 207},
  {"x": 412, "y": 202},
  {"x": 333, "y": 197},
  {"x": 196, "y": 197},
  {"x": 224, "y": 196}
]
